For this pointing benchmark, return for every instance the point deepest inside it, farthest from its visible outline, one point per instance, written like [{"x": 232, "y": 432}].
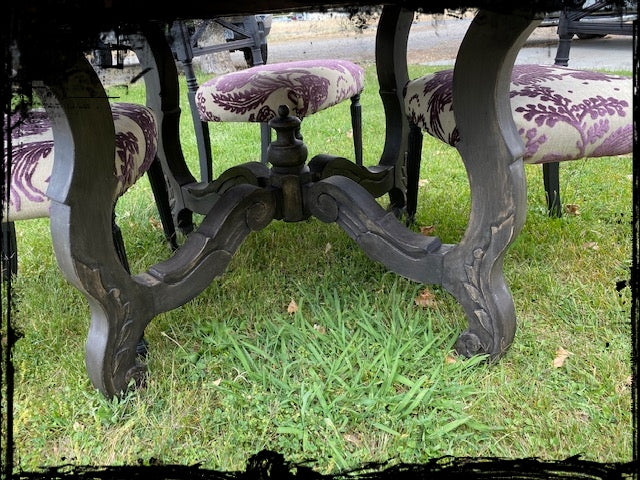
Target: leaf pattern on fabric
[
  {"x": 560, "y": 113},
  {"x": 32, "y": 155},
  {"x": 255, "y": 94},
  {"x": 439, "y": 92},
  {"x": 574, "y": 111},
  {"x": 25, "y": 162},
  {"x": 128, "y": 143}
]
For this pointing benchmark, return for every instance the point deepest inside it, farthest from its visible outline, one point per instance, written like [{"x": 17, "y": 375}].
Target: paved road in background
[{"x": 436, "y": 43}]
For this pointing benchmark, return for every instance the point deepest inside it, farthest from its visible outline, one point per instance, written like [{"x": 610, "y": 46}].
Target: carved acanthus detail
[{"x": 479, "y": 275}]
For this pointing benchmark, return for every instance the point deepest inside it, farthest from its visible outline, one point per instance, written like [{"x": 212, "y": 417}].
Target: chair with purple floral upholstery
[
  {"x": 305, "y": 87},
  {"x": 561, "y": 114},
  {"x": 32, "y": 153}
]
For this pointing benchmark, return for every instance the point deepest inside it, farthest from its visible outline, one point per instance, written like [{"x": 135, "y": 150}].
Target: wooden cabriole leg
[
  {"x": 491, "y": 150},
  {"x": 82, "y": 189}
]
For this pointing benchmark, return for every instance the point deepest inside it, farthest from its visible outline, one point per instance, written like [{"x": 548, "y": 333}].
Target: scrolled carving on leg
[
  {"x": 201, "y": 197},
  {"x": 251, "y": 173},
  {"x": 111, "y": 358},
  {"x": 470, "y": 344},
  {"x": 486, "y": 298}
]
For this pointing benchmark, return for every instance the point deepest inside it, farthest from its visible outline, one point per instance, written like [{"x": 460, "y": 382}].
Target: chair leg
[
  {"x": 564, "y": 41},
  {"x": 159, "y": 189},
  {"x": 356, "y": 125},
  {"x": 180, "y": 39},
  {"x": 414, "y": 154},
  {"x": 9, "y": 250},
  {"x": 118, "y": 242},
  {"x": 265, "y": 141},
  {"x": 142, "y": 348},
  {"x": 551, "y": 176},
  {"x": 161, "y": 196}
]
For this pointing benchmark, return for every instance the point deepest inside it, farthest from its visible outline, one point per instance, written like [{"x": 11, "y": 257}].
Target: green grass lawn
[{"x": 358, "y": 372}]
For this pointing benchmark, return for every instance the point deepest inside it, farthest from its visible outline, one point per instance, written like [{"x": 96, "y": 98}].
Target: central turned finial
[{"x": 287, "y": 153}]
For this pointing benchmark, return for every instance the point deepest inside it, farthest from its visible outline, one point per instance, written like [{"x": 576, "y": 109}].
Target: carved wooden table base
[{"x": 248, "y": 197}]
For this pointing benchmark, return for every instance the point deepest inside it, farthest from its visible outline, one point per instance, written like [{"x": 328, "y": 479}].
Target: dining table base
[{"x": 248, "y": 197}]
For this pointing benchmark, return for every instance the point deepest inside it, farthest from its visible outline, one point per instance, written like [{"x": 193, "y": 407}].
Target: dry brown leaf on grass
[
  {"x": 327, "y": 248},
  {"x": 292, "y": 308},
  {"x": 582, "y": 416},
  {"x": 572, "y": 209},
  {"x": 427, "y": 230},
  {"x": 423, "y": 182},
  {"x": 425, "y": 299},
  {"x": 450, "y": 359},
  {"x": 622, "y": 388},
  {"x": 561, "y": 356}
]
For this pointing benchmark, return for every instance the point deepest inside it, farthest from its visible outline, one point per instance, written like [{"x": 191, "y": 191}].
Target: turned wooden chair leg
[
  {"x": 265, "y": 141},
  {"x": 551, "y": 176},
  {"x": 356, "y": 125},
  {"x": 161, "y": 196},
  {"x": 414, "y": 154},
  {"x": 9, "y": 250}
]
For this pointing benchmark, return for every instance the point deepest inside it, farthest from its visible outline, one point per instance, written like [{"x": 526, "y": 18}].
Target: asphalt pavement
[
  {"x": 613, "y": 52},
  {"x": 437, "y": 44}
]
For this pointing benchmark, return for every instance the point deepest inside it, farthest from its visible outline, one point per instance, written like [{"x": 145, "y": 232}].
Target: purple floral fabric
[
  {"x": 561, "y": 113},
  {"x": 33, "y": 153},
  {"x": 254, "y": 94}
]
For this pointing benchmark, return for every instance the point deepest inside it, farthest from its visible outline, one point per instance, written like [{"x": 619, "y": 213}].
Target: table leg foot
[
  {"x": 118, "y": 320},
  {"x": 481, "y": 289},
  {"x": 470, "y": 344}
]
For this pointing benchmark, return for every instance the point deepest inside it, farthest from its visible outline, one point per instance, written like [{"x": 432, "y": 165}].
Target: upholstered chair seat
[
  {"x": 32, "y": 154},
  {"x": 560, "y": 113},
  {"x": 305, "y": 87}
]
